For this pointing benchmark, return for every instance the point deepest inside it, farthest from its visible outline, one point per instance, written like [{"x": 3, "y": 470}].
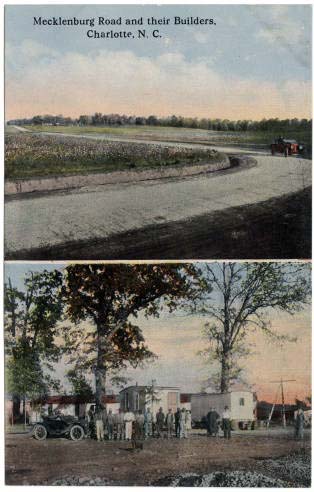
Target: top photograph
[{"x": 169, "y": 132}]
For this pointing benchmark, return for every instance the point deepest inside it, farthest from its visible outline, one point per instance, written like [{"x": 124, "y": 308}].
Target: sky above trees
[
  {"x": 254, "y": 63},
  {"x": 177, "y": 338}
]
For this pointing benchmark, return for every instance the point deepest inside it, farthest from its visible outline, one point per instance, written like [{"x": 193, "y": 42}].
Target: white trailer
[{"x": 240, "y": 403}]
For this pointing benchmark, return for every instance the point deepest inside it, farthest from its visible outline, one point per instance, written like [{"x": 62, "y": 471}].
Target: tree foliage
[
  {"x": 80, "y": 387},
  {"x": 111, "y": 298},
  {"x": 244, "y": 294},
  {"x": 31, "y": 316}
]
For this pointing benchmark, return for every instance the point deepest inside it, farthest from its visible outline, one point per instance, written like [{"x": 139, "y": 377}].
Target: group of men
[{"x": 138, "y": 425}]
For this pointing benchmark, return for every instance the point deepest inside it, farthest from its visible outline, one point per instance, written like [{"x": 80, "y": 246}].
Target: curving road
[{"x": 99, "y": 212}]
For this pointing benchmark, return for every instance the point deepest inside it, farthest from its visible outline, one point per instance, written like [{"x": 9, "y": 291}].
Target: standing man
[
  {"x": 109, "y": 425},
  {"x": 129, "y": 418},
  {"x": 119, "y": 418},
  {"x": 299, "y": 424},
  {"x": 160, "y": 422},
  {"x": 212, "y": 422},
  {"x": 177, "y": 417},
  {"x": 99, "y": 418},
  {"x": 148, "y": 423},
  {"x": 169, "y": 423},
  {"x": 188, "y": 421},
  {"x": 140, "y": 425},
  {"x": 226, "y": 423},
  {"x": 208, "y": 417},
  {"x": 91, "y": 422},
  {"x": 183, "y": 424}
]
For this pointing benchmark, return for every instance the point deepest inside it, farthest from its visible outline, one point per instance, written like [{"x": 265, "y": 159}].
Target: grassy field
[
  {"x": 179, "y": 134},
  {"x": 28, "y": 155}
]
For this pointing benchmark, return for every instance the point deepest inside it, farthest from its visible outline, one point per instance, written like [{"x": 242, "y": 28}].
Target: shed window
[{"x": 241, "y": 402}]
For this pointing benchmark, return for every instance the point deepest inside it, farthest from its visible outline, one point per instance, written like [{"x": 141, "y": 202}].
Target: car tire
[
  {"x": 77, "y": 433},
  {"x": 40, "y": 432}
]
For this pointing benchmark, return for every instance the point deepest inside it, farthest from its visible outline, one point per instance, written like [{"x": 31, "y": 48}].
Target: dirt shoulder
[
  {"x": 277, "y": 228},
  {"x": 54, "y": 459}
]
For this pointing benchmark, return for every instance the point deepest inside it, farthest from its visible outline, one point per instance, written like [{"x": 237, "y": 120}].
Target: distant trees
[
  {"x": 98, "y": 119},
  {"x": 243, "y": 294}
]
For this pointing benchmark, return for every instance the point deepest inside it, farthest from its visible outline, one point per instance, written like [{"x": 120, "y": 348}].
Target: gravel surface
[
  {"x": 99, "y": 212},
  {"x": 288, "y": 471}
]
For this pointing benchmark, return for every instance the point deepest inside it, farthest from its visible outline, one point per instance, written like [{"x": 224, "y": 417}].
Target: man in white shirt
[
  {"x": 226, "y": 423},
  {"x": 129, "y": 418}
]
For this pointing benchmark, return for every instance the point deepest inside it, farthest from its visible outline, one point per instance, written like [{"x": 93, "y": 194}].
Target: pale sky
[
  {"x": 176, "y": 339},
  {"x": 254, "y": 62}
]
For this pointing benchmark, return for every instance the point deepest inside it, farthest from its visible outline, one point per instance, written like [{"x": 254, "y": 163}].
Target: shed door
[{"x": 172, "y": 401}]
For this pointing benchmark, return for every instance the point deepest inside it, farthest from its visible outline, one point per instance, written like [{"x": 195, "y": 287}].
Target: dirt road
[
  {"x": 100, "y": 212},
  {"x": 55, "y": 459}
]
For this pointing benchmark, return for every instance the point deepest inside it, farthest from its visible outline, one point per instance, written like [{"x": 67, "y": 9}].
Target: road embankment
[
  {"x": 58, "y": 183},
  {"x": 16, "y": 187}
]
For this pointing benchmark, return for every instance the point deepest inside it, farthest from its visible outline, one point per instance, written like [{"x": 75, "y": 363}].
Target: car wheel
[
  {"x": 76, "y": 433},
  {"x": 40, "y": 432}
]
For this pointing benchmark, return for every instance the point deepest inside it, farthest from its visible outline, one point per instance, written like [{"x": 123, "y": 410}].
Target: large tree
[
  {"x": 31, "y": 316},
  {"x": 110, "y": 297},
  {"x": 243, "y": 296}
]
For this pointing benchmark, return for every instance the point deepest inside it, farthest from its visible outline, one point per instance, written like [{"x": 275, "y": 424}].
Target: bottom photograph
[{"x": 194, "y": 374}]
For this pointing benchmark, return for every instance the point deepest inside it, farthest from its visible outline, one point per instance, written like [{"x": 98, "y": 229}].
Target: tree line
[
  {"x": 87, "y": 313},
  {"x": 99, "y": 119}
]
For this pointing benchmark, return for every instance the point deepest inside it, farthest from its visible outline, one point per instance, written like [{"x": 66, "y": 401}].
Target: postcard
[{"x": 157, "y": 276}]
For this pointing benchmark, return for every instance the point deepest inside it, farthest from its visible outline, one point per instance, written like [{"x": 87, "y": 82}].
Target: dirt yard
[{"x": 31, "y": 462}]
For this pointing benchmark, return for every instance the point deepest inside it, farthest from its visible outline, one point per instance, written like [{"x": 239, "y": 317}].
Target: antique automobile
[
  {"x": 286, "y": 147},
  {"x": 60, "y": 426}
]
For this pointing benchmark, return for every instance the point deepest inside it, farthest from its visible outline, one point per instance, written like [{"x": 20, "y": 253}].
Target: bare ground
[
  {"x": 278, "y": 228},
  {"x": 40, "y": 463}
]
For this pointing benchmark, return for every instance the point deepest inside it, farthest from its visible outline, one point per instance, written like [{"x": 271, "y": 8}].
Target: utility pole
[{"x": 283, "y": 410}]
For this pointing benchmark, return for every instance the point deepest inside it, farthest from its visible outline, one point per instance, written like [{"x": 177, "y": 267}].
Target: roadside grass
[
  {"x": 31, "y": 155},
  {"x": 10, "y": 130},
  {"x": 167, "y": 133}
]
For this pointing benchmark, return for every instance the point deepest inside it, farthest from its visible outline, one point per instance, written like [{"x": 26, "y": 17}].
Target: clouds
[
  {"x": 278, "y": 27},
  {"x": 73, "y": 83},
  {"x": 285, "y": 31}
]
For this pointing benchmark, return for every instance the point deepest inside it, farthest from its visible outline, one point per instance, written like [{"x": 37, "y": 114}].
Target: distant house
[{"x": 135, "y": 398}]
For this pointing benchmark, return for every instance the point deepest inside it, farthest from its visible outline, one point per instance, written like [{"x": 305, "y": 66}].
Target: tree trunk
[
  {"x": 100, "y": 371},
  {"x": 16, "y": 409},
  {"x": 225, "y": 373},
  {"x": 24, "y": 411}
]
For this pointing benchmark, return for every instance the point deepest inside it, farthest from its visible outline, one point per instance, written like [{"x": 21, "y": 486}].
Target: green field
[
  {"x": 30, "y": 155},
  {"x": 210, "y": 137}
]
